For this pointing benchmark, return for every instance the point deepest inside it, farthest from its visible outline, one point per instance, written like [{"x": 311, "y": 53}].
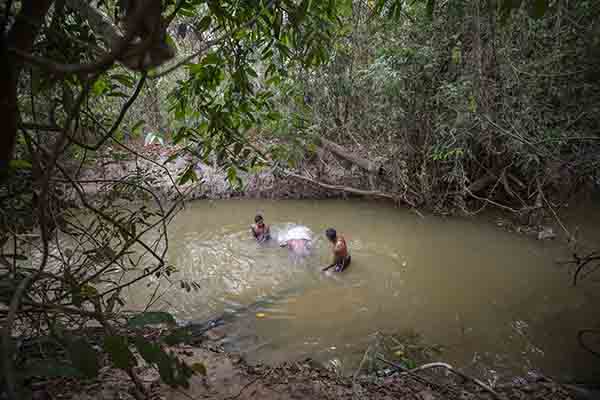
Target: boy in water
[
  {"x": 260, "y": 230},
  {"x": 341, "y": 258}
]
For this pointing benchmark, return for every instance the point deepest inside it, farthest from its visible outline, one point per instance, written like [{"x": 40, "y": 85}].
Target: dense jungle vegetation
[{"x": 451, "y": 106}]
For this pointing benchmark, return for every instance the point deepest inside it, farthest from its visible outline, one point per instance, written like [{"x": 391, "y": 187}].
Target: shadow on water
[{"x": 496, "y": 301}]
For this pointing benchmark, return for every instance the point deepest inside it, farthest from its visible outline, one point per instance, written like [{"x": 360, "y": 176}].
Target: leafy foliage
[
  {"x": 74, "y": 106},
  {"x": 151, "y": 318}
]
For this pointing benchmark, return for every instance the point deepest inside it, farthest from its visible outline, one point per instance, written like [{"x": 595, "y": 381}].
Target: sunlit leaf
[
  {"x": 211, "y": 59},
  {"x": 170, "y": 42},
  {"x": 19, "y": 164},
  {"x": 231, "y": 175},
  {"x": 99, "y": 87},
  {"x": 199, "y": 368}
]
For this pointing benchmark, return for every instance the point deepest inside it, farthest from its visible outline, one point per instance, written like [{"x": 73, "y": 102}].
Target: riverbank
[
  {"x": 152, "y": 169},
  {"x": 229, "y": 376}
]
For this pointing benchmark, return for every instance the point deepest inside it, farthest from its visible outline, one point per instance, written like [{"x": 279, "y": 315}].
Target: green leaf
[
  {"x": 251, "y": 72},
  {"x": 301, "y": 12},
  {"x": 204, "y": 23},
  {"x": 165, "y": 365},
  {"x": 118, "y": 94},
  {"x": 199, "y": 368},
  {"x": 211, "y": 59},
  {"x": 430, "y": 8},
  {"x": 123, "y": 79},
  {"x": 232, "y": 175},
  {"x": 19, "y": 164},
  {"x": 181, "y": 335},
  {"x": 150, "y": 351},
  {"x": 151, "y": 318},
  {"x": 138, "y": 125},
  {"x": 83, "y": 357},
  {"x": 179, "y": 135},
  {"x": 99, "y": 87},
  {"x": 188, "y": 175},
  {"x": 170, "y": 42},
  {"x": 117, "y": 348}
]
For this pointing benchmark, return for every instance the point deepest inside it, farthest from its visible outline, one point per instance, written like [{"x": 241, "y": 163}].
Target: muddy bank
[
  {"x": 151, "y": 168},
  {"x": 229, "y": 376}
]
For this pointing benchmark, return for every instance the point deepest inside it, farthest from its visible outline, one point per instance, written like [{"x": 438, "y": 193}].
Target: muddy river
[{"x": 497, "y": 302}]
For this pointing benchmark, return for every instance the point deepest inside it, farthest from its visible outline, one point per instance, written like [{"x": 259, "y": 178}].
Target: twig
[
  {"x": 58, "y": 148},
  {"x": 9, "y": 376},
  {"x": 564, "y": 228},
  {"x": 580, "y": 336},
  {"x": 451, "y": 369},
  {"x": 119, "y": 119},
  {"x": 491, "y": 201},
  {"x": 402, "y": 368}
]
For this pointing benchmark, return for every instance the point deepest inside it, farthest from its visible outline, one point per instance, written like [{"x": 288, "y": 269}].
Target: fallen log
[
  {"x": 361, "y": 192},
  {"x": 367, "y": 165},
  {"x": 482, "y": 183}
]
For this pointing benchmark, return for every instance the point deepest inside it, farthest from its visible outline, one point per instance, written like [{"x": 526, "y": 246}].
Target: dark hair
[
  {"x": 331, "y": 234},
  {"x": 258, "y": 218}
]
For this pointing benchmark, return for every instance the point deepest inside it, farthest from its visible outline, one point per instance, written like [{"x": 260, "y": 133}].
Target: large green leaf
[
  {"x": 117, "y": 348},
  {"x": 84, "y": 357},
  {"x": 151, "y": 318}
]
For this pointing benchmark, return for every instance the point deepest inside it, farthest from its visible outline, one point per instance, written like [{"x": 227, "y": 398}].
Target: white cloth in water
[{"x": 297, "y": 232}]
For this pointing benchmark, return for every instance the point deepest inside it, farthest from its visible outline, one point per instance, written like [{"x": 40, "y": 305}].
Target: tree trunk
[{"x": 21, "y": 36}]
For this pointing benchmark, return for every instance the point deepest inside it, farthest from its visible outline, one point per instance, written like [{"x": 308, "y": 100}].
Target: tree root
[
  {"x": 360, "y": 192},
  {"x": 447, "y": 367},
  {"x": 461, "y": 374}
]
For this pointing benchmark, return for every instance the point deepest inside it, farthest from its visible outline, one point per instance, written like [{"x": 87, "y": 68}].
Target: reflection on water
[{"x": 495, "y": 300}]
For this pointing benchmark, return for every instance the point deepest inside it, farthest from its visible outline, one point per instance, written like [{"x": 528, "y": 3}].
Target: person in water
[
  {"x": 260, "y": 230},
  {"x": 341, "y": 258}
]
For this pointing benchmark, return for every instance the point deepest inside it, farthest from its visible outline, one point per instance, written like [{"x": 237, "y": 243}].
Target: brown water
[{"x": 497, "y": 301}]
